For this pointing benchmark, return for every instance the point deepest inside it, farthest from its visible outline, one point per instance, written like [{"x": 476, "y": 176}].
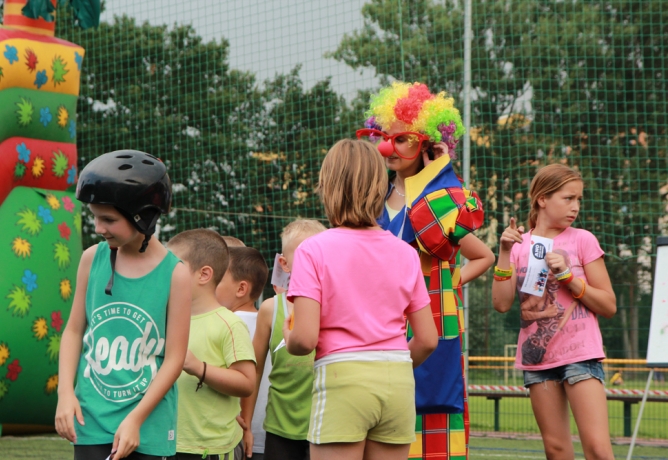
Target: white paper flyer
[
  {"x": 537, "y": 270},
  {"x": 279, "y": 277}
]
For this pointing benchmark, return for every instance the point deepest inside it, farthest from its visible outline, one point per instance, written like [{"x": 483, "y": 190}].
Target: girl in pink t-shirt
[
  {"x": 352, "y": 287},
  {"x": 560, "y": 346}
]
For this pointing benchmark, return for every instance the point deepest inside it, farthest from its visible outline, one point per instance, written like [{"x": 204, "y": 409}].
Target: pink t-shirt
[
  {"x": 364, "y": 280},
  {"x": 540, "y": 346}
]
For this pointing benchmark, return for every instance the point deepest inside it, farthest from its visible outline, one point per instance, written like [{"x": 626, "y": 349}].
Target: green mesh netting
[{"x": 243, "y": 99}]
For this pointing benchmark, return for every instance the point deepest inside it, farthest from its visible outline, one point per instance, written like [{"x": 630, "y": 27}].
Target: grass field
[
  {"x": 51, "y": 447},
  {"x": 516, "y": 417}
]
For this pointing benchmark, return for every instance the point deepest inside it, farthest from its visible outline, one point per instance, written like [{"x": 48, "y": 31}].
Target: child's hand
[
  {"x": 556, "y": 262},
  {"x": 126, "y": 439},
  {"x": 68, "y": 408},
  {"x": 248, "y": 436},
  {"x": 248, "y": 442},
  {"x": 287, "y": 327},
  {"x": 511, "y": 235},
  {"x": 192, "y": 365}
]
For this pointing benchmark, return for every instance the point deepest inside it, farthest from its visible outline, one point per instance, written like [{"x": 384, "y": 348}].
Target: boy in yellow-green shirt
[{"x": 220, "y": 363}]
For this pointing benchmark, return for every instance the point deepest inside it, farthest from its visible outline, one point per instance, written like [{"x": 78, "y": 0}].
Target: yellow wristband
[{"x": 503, "y": 272}]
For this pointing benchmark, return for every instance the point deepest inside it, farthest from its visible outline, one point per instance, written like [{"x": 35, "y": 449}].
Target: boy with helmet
[{"x": 127, "y": 335}]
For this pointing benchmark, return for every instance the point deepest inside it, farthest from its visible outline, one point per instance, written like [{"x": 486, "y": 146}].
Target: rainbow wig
[{"x": 421, "y": 111}]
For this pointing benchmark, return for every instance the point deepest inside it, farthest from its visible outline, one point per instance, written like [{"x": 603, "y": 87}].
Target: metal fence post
[{"x": 466, "y": 157}]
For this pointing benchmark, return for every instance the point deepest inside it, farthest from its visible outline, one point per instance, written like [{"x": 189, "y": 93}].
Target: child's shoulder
[
  {"x": 267, "y": 306},
  {"x": 582, "y": 233},
  {"x": 231, "y": 320},
  {"x": 220, "y": 322},
  {"x": 586, "y": 242},
  {"x": 579, "y": 236},
  {"x": 90, "y": 252}
]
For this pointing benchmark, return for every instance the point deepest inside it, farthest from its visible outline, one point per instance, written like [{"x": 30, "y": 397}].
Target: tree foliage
[
  {"x": 239, "y": 152},
  {"x": 582, "y": 83}
]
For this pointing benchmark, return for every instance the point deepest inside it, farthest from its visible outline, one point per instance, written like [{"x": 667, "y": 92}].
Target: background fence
[{"x": 243, "y": 99}]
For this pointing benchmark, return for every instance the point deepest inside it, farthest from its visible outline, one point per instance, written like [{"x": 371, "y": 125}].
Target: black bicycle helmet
[{"x": 135, "y": 183}]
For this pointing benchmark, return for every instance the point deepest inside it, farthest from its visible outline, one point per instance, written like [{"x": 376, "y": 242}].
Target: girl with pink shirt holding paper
[
  {"x": 353, "y": 286},
  {"x": 560, "y": 347}
]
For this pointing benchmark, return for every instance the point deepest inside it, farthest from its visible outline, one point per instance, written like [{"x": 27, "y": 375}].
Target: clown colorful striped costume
[{"x": 439, "y": 212}]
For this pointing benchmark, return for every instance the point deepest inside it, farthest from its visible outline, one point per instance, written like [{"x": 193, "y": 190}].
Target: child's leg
[
  {"x": 550, "y": 407},
  {"x": 340, "y": 451},
  {"x": 382, "y": 451},
  {"x": 590, "y": 409}
]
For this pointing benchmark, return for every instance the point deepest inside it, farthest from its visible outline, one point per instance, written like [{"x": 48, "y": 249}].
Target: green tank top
[
  {"x": 123, "y": 349},
  {"x": 291, "y": 383}
]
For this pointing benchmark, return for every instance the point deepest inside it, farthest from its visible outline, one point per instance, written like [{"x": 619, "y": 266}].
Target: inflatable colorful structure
[{"x": 40, "y": 220}]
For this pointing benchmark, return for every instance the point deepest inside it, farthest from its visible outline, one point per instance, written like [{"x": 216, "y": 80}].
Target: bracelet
[
  {"x": 584, "y": 288},
  {"x": 501, "y": 278},
  {"x": 503, "y": 272},
  {"x": 566, "y": 280},
  {"x": 201, "y": 380},
  {"x": 563, "y": 275}
]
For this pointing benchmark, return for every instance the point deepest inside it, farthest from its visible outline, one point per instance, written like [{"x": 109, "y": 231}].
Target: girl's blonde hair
[
  {"x": 353, "y": 184},
  {"x": 300, "y": 229},
  {"x": 548, "y": 180}
]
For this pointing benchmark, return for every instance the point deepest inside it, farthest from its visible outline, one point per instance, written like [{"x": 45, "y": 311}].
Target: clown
[{"x": 427, "y": 206}]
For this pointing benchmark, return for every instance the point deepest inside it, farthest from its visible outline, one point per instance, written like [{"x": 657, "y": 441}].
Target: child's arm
[
  {"x": 126, "y": 439},
  {"x": 303, "y": 338},
  {"x": 70, "y": 352},
  {"x": 237, "y": 380},
  {"x": 479, "y": 258},
  {"x": 503, "y": 292},
  {"x": 425, "y": 335},
  {"x": 598, "y": 296},
  {"x": 261, "y": 348}
]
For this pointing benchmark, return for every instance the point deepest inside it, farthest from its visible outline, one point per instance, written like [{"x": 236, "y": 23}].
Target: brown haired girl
[{"x": 560, "y": 347}]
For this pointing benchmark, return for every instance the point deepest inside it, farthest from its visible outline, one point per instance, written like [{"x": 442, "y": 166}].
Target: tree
[
  {"x": 581, "y": 83},
  {"x": 243, "y": 155}
]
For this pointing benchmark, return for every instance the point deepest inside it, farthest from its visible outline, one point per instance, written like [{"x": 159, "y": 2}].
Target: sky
[{"x": 266, "y": 36}]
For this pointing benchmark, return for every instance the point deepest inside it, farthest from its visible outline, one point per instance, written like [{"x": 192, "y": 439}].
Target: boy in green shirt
[{"x": 220, "y": 363}]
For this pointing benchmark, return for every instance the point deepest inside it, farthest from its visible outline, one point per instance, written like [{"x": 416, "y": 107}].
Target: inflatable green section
[
  {"x": 40, "y": 247},
  {"x": 38, "y": 115}
]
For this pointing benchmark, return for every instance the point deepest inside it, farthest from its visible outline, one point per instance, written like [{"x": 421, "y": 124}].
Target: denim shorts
[{"x": 574, "y": 373}]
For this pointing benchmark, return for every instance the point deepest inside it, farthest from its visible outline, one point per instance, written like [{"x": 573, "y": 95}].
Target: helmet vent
[
  {"x": 146, "y": 162},
  {"x": 131, "y": 181},
  {"x": 123, "y": 156},
  {"x": 124, "y": 167}
]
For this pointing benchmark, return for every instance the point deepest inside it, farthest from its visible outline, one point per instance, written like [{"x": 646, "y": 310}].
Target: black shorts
[
  {"x": 102, "y": 451},
  {"x": 280, "y": 448}
]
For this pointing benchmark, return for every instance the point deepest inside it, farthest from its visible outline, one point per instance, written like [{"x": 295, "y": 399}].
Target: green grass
[
  {"x": 51, "y": 447},
  {"x": 516, "y": 416},
  {"x": 42, "y": 447},
  {"x": 516, "y": 449}
]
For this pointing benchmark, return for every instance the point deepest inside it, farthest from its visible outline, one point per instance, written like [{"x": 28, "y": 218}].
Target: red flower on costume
[
  {"x": 56, "y": 320},
  {"x": 13, "y": 370},
  {"x": 64, "y": 230}
]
